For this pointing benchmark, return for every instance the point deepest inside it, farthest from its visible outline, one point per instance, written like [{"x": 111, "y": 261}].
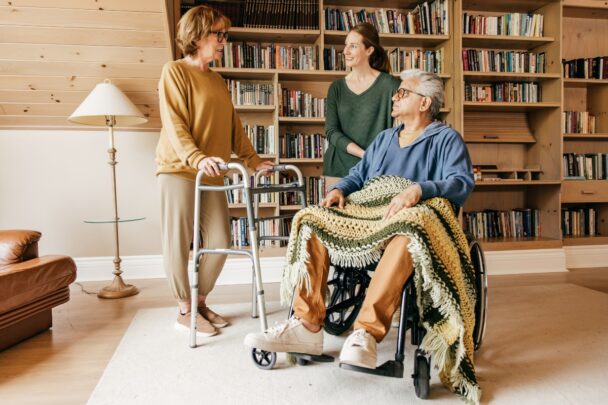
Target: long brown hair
[{"x": 378, "y": 59}]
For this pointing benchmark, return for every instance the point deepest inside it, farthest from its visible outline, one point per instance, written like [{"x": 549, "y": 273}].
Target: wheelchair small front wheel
[
  {"x": 422, "y": 375},
  {"x": 263, "y": 359}
]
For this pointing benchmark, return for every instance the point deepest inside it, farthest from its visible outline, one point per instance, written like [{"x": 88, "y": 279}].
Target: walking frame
[{"x": 251, "y": 199}]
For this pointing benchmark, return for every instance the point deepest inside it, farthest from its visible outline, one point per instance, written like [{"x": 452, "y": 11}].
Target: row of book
[
  {"x": 281, "y": 14},
  {"x": 579, "y": 221},
  {"x": 511, "y": 92},
  {"x": 578, "y": 122},
  {"x": 268, "y": 56},
  {"x": 516, "y": 223},
  {"x": 514, "y": 24},
  {"x": 399, "y": 58},
  {"x": 302, "y": 146},
  {"x": 429, "y": 61},
  {"x": 296, "y": 103},
  {"x": 250, "y": 93},
  {"x": 586, "y": 68},
  {"x": 430, "y": 18},
  {"x": 237, "y": 197},
  {"x": 588, "y": 166},
  {"x": 315, "y": 190},
  {"x": 270, "y": 227},
  {"x": 262, "y": 138},
  {"x": 489, "y": 60}
]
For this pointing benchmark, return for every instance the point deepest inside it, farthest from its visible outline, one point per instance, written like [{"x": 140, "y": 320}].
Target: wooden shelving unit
[
  {"x": 584, "y": 22},
  {"x": 514, "y": 135},
  {"x": 509, "y": 135}
]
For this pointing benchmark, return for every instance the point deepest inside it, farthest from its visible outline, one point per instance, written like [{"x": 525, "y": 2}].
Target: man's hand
[
  {"x": 405, "y": 199},
  {"x": 209, "y": 165},
  {"x": 335, "y": 196},
  {"x": 267, "y": 165}
]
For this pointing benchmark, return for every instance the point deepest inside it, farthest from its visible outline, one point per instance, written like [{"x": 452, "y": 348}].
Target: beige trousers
[
  {"x": 177, "y": 223},
  {"x": 383, "y": 295}
]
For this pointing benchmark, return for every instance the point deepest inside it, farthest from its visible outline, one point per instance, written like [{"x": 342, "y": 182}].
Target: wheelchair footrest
[
  {"x": 391, "y": 368},
  {"x": 323, "y": 358}
]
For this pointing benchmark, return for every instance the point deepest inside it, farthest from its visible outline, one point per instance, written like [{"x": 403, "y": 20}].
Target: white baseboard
[
  {"x": 238, "y": 271},
  {"x": 586, "y": 256},
  {"x": 525, "y": 261}
]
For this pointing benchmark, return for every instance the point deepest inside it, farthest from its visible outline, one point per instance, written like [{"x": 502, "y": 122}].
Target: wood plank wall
[{"x": 54, "y": 52}]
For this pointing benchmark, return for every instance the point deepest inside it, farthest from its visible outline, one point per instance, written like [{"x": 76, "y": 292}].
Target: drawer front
[{"x": 581, "y": 191}]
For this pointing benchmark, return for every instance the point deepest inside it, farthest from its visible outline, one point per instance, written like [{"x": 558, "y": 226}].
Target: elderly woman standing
[
  {"x": 200, "y": 130},
  {"x": 421, "y": 149},
  {"x": 359, "y": 105}
]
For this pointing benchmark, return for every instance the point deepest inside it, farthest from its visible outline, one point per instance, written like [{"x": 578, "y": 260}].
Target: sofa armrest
[
  {"x": 18, "y": 245},
  {"x": 21, "y": 283}
]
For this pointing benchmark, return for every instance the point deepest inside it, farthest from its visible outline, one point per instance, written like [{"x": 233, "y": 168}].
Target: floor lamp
[{"x": 107, "y": 106}]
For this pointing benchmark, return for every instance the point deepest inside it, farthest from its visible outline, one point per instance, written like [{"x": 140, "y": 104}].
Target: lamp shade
[{"x": 107, "y": 100}]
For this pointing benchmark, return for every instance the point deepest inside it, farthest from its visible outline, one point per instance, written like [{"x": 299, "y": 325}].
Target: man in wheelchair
[{"x": 421, "y": 149}]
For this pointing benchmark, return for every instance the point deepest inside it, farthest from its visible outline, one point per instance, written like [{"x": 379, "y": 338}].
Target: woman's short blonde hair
[{"x": 196, "y": 24}]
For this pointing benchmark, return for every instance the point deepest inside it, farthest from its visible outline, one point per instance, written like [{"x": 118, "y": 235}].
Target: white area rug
[{"x": 544, "y": 345}]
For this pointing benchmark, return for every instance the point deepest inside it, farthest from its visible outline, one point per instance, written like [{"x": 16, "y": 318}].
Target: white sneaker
[
  {"x": 289, "y": 336},
  {"x": 359, "y": 350}
]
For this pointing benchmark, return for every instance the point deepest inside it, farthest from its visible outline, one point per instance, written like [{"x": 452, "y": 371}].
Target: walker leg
[
  {"x": 254, "y": 295},
  {"x": 193, "y": 311}
]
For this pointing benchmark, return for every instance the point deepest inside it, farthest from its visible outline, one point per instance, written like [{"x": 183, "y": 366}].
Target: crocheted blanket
[{"x": 444, "y": 276}]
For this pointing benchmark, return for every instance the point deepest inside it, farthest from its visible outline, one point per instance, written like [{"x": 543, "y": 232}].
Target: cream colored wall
[{"x": 52, "y": 180}]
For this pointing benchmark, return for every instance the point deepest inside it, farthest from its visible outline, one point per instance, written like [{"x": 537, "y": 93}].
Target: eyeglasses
[
  {"x": 221, "y": 35},
  {"x": 403, "y": 93}
]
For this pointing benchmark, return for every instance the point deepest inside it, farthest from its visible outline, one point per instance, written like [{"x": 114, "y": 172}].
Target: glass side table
[
  {"x": 118, "y": 288},
  {"x": 111, "y": 221}
]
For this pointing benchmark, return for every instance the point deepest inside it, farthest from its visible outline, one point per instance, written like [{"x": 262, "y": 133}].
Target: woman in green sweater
[{"x": 359, "y": 105}]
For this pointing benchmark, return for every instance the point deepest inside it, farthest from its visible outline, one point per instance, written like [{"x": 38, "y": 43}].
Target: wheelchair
[
  {"x": 347, "y": 292},
  {"x": 347, "y": 289}
]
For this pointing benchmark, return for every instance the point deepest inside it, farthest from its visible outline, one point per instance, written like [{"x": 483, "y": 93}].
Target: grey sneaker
[
  {"x": 216, "y": 320},
  {"x": 359, "y": 350},
  {"x": 204, "y": 328},
  {"x": 288, "y": 336}
]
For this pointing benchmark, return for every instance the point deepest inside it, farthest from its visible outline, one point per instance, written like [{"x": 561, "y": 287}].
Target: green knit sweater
[{"x": 355, "y": 118}]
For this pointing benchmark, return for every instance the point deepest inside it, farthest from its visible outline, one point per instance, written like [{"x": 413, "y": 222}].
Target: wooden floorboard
[{"x": 63, "y": 365}]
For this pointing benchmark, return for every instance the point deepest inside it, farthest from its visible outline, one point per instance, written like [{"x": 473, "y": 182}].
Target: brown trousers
[{"x": 383, "y": 295}]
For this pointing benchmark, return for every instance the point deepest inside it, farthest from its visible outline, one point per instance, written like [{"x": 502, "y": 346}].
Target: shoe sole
[
  {"x": 360, "y": 361},
  {"x": 220, "y": 325},
  {"x": 199, "y": 333},
  {"x": 310, "y": 348}
]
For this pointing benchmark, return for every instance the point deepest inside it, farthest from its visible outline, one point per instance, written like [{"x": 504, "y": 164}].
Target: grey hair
[{"x": 430, "y": 85}]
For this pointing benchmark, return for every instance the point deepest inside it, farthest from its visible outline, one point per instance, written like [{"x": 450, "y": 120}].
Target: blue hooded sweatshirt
[{"x": 437, "y": 160}]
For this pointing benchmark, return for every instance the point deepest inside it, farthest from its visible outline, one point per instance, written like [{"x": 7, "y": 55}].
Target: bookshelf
[
  {"x": 583, "y": 22},
  {"x": 518, "y": 146},
  {"x": 514, "y": 146}
]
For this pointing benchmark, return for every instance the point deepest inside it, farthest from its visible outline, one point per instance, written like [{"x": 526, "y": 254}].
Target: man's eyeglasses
[
  {"x": 221, "y": 35},
  {"x": 403, "y": 93}
]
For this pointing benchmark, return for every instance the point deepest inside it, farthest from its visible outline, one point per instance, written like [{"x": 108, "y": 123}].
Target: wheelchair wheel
[
  {"x": 422, "y": 375},
  {"x": 263, "y": 359},
  {"x": 346, "y": 294},
  {"x": 481, "y": 287}
]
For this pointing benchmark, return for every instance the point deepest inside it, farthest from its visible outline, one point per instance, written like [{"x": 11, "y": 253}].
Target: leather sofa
[{"x": 30, "y": 286}]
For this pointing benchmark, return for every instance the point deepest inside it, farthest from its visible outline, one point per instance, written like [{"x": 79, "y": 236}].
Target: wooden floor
[{"x": 63, "y": 365}]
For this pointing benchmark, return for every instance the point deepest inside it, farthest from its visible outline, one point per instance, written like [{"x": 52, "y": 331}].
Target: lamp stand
[{"x": 118, "y": 288}]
